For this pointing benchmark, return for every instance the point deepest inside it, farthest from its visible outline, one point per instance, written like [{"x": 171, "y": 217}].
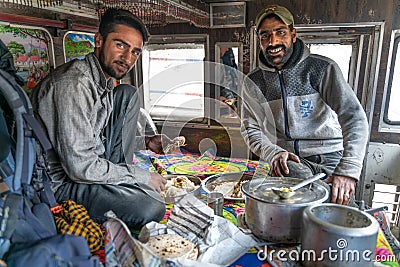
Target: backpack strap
[
  {"x": 48, "y": 195},
  {"x": 37, "y": 131}
]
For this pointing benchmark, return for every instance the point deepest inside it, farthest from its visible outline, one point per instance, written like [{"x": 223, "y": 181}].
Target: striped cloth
[{"x": 74, "y": 220}]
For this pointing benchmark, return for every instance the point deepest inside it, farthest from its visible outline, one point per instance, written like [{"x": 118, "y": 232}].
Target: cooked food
[
  {"x": 175, "y": 144},
  {"x": 285, "y": 189},
  {"x": 236, "y": 190},
  {"x": 172, "y": 246},
  {"x": 228, "y": 188},
  {"x": 177, "y": 186}
]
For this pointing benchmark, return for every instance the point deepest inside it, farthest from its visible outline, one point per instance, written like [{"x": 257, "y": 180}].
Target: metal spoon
[{"x": 287, "y": 192}]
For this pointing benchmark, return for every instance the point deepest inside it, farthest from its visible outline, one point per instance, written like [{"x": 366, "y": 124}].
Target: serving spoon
[{"x": 287, "y": 192}]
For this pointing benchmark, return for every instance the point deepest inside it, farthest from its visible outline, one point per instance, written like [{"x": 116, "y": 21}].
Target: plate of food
[
  {"x": 227, "y": 183},
  {"x": 180, "y": 185}
]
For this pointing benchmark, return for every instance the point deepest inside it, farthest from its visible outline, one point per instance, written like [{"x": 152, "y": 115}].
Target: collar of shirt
[{"x": 104, "y": 86}]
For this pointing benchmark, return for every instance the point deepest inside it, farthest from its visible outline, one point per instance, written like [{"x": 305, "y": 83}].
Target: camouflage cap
[{"x": 279, "y": 11}]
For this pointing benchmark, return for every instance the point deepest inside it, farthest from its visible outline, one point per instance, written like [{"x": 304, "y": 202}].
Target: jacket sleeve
[
  {"x": 257, "y": 123},
  {"x": 338, "y": 94},
  {"x": 74, "y": 138}
]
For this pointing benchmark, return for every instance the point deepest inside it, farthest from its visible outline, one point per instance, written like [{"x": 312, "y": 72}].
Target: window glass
[
  {"x": 30, "y": 50},
  {"x": 341, "y": 54},
  {"x": 173, "y": 80},
  {"x": 393, "y": 108},
  {"x": 228, "y": 79},
  {"x": 77, "y": 45}
]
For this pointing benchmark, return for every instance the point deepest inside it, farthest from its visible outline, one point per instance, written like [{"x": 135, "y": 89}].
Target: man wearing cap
[{"x": 298, "y": 111}]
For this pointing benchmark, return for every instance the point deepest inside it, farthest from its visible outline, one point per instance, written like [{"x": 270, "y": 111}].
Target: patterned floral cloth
[{"x": 194, "y": 164}]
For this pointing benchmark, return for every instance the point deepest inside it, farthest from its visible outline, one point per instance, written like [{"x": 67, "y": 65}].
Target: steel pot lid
[{"x": 261, "y": 189}]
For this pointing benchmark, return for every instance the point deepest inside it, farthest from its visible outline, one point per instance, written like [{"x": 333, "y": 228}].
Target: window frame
[
  {"x": 183, "y": 39},
  {"x": 217, "y": 88},
  {"x": 386, "y": 125},
  {"x": 74, "y": 32},
  {"x": 49, "y": 37}
]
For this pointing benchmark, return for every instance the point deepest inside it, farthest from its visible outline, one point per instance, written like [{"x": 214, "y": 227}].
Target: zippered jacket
[{"x": 306, "y": 108}]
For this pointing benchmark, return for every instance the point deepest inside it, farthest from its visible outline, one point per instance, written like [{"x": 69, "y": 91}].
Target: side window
[
  {"x": 391, "y": 113},
  {"x": 77, "y": 45},
  {"x": 340, "y": 53},
  {"x": 31, "y": 49},
  {"x": 174, "y": 78},
  {"x": 229, "y": 59}
]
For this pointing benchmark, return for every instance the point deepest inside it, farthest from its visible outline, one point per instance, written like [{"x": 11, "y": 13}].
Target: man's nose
[
  {"x": 128, "y": 57},
  {"x": 273, "y": 39}
]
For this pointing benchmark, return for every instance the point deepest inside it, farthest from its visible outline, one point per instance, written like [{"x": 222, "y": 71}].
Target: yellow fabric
[{"x": 74, "y": 220}]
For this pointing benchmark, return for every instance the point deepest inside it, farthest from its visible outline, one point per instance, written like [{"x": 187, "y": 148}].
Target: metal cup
[{"x": 215, "y": 201}]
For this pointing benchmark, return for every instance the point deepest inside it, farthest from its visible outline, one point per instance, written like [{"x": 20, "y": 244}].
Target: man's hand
[
  {"x": 157, "y": 182},
  {"x": 342, "y": 188},
  {"x": 279, "y": 163},
  {"x": 156, "y": 142},
  {"x": 228, "y": 101}
]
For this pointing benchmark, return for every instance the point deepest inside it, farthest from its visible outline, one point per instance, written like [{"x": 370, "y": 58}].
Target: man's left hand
[
  {"x": 156, "y": 142},
  {"x": 343, "y": 187}
]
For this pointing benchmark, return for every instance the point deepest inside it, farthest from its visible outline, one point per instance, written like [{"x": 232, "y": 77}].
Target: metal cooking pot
[
  {"x": 274, "y": 219},
  {"x": 338, "y": 235}
]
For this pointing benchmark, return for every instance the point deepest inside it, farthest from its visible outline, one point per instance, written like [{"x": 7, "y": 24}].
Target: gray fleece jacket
[
  {"x": 73, "y": 105},
  {"x": 306, "y": 108}
]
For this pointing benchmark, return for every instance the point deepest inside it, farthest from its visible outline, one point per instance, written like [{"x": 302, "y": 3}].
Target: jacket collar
[{"x": 104, "y": 86}]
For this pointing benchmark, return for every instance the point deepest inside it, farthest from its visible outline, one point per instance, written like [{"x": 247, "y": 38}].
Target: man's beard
[
  {"x": 287, "y": 53},
  {"x": 108, "y": 69}
]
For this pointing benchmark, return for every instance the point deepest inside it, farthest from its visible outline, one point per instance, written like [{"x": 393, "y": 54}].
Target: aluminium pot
[
  {"x": 338, "y": 235},
  {"x": 274, "y": 219}
]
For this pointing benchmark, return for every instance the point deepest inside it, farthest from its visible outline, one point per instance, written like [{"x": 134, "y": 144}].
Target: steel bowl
[{"x": 196, "y": 192}]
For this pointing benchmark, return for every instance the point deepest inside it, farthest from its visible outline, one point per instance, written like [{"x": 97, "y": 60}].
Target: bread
[{"x": 172, "y": 246}]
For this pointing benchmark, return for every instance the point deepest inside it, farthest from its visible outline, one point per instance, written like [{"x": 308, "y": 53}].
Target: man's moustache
[
  {"x": 122, "y": 64},
  {"x": 275, "y": 47}
]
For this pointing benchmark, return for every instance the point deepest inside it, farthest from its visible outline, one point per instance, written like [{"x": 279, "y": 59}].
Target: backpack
[{"x": 28, "y": 235}]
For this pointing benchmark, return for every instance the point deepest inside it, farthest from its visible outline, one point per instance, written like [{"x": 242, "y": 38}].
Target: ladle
[{"x": 287, "y": 192}]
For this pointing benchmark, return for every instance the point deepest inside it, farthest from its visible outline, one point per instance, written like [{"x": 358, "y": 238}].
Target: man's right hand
[
  {"x": 157, "y": 182},
  {"x": 279, "y": 163}
]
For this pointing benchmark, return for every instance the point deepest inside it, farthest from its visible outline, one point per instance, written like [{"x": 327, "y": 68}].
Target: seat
[{"x": 145, "y": 124}]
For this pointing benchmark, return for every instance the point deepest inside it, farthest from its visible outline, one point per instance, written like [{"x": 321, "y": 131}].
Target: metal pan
[
  {"x": 232, "y": 178},
  {"x": 196, "y": 192}
]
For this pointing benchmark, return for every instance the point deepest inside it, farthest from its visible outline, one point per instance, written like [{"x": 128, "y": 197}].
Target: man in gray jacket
[
  {"x": 299, "y": 113},
  {"x": 92, "y": 127}
]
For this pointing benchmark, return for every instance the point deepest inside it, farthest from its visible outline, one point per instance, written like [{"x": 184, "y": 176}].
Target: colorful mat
[{"x": 194, "y": 164}]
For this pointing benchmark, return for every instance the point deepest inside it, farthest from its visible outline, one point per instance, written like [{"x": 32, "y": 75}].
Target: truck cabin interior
[{"x": 186, "y": 89}]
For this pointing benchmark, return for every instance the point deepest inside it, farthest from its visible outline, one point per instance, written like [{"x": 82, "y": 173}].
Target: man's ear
[
  {"x": 98, "y": 40},
  {"x": 294, "y": 35}
]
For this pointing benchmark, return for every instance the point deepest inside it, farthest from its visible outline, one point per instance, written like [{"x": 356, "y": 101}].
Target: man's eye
[
  {"x": 281, "y": 33},
  {"x": 120, "y": 45},
  {"x": 136, "y": 53},
  {"x": 264, "y": 36}
]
